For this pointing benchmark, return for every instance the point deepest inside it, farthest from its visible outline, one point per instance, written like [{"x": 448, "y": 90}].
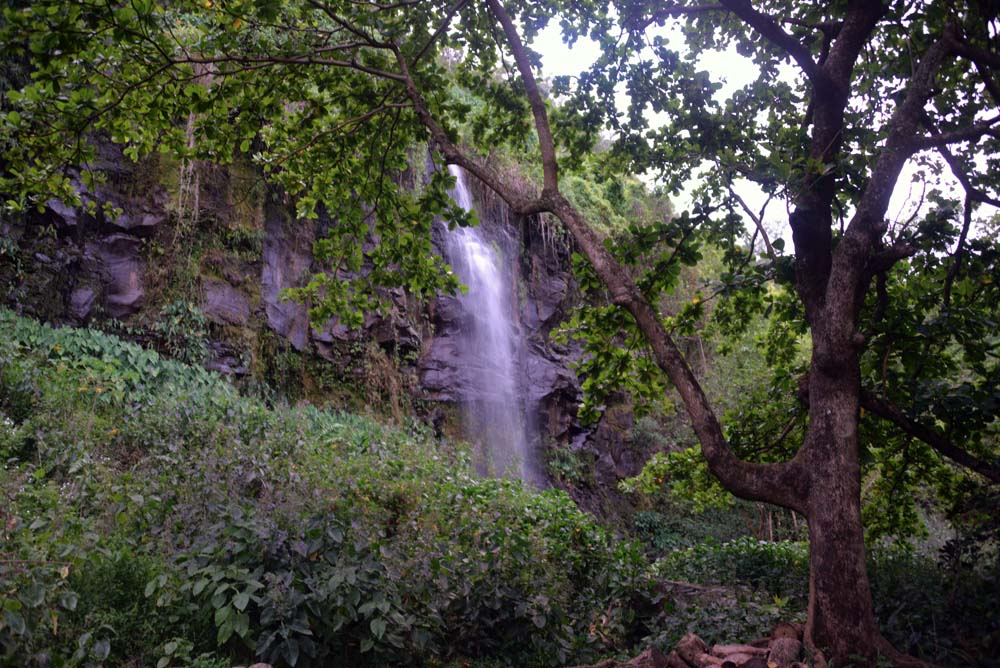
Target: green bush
[
  {"x": 779, "y": 568},
  {"x": 183, "y": 329},
  {"x": 158, "y": 518},
  {"x": 152, "y": 516}
]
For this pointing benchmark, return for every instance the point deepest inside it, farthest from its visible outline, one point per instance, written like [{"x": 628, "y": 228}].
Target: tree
[{"x": 328, "y": 96}]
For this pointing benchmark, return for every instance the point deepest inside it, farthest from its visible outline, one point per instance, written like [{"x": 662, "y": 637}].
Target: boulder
[
  {"x": 224, "y": 304},
  {"x": 81, "y": 303}
]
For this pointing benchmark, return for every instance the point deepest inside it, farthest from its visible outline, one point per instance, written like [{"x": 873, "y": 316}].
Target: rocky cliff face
[
  {"x": 544, "y": 292},
  {"x": 232, "y": 252}
]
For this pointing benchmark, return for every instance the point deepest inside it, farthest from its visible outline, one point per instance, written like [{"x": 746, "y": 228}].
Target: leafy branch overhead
[{"x": 329, "y": 97}]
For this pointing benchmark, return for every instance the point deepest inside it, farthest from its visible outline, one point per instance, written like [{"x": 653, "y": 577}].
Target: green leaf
[
  {"x": 225, "y": 632},
  {"x": 101, "y": 649},
  {"x": 222, "y": 614},
  {"x": 68, "y": 600},
  {"x": 15, "y": 621},
  {"x": 241, "y": 600},
  {"x": 33, "y": 595}
]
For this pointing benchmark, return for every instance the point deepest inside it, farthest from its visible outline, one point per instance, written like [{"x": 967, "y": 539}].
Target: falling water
[{"x": 489, "y": 350}]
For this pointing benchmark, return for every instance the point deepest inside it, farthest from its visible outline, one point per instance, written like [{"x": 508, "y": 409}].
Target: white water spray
[{"x": 489, "y": 348}]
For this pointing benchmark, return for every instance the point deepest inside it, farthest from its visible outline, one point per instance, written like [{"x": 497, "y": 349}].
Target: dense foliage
[
  {"x": 151, "y": 515},
  {"x": 329, "y": 95}
]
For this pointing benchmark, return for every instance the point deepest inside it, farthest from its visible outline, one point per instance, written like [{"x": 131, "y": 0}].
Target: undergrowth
[{"x": 152, "y": 516}]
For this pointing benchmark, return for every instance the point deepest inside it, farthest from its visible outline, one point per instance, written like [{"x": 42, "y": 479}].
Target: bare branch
[
  {"x": 441, "y": 28},
  {"x": 348, "y": 26},
  {"x": 757, "y": 220},
  {"x": 992, "y": 87},
  {"x": 883, "y": 261},
  {"x": 356, "y": 121},
  {"x": 956, "y": 263},
  {"x": 640, "y": 22},
  {"x": 289, "y": 60}
]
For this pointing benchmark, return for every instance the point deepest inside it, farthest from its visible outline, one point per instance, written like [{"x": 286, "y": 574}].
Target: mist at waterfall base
[{"x": 490, "y": 352}]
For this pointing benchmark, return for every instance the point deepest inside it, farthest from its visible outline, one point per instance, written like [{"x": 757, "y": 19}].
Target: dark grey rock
[
  {"x": 287, "y": 263},
  {"x": 224, "y": 304},
  {"x": 137, "y": 220},
  {"x": 393, "y": 332},
  {"x": 81, "y": 303},
  {"x": 118, "y": 258},
  {"x": 65, "y": 214},
  {"x": 439, "y": 370}
]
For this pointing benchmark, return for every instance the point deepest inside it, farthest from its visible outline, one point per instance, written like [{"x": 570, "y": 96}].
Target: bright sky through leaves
[{"x": 733, "y": 71}]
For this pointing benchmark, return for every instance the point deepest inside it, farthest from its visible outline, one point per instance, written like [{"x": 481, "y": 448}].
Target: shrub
[
  {"x": 779, "y": 568},
  {"x": 183, "y": 329},
  {"x": 165, "y": 520}
]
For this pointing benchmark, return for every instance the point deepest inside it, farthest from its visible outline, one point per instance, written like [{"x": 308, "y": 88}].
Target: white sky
[{"x": 733, "y": 71}]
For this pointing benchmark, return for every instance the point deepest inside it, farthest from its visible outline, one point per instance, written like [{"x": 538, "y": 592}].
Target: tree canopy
[{"x": 328, "y": 97}]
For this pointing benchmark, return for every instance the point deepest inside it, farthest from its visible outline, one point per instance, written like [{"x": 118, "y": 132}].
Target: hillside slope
[{"x": 152, "y": 516}]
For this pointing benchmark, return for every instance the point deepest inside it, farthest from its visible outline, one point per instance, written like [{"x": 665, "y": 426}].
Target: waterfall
[{"x": 489, "y": 350}]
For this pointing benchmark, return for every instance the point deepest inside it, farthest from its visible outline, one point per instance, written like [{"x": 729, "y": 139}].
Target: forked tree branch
[
  {"x": 974, "y": 193},
  {"x": 844, "y": 291},
  {"x": 756, "y": 218}
]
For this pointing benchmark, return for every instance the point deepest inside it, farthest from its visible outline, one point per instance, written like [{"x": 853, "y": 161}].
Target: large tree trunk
[{"x": 841, "y": 620}]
